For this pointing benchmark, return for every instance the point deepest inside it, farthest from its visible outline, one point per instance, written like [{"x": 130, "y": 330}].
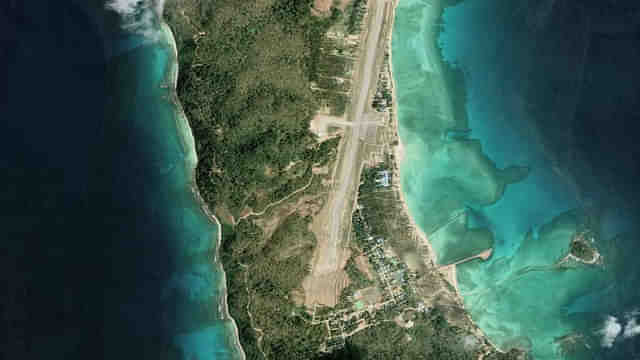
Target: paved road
[
  {"x": 351, "y": 124},
  {"x": 349, "y": 168}
]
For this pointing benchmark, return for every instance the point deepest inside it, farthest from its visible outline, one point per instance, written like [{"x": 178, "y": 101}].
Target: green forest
[{"x": 244, "y": 83}]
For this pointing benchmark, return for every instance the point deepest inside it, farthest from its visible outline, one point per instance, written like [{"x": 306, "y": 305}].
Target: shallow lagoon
[{"x": 484, "y": 72}]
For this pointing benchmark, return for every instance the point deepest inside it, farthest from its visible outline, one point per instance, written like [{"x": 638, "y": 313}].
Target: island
[
  {"x": 292, "y": 107},
  {"x": 582, "y": 250}
]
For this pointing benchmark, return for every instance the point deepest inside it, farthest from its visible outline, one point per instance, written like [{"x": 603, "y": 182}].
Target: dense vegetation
[
  {"x": 244, "y": 82},
  {"x": 430, "y": 338},
  {"x": 356, "y": 11},
  {"x": 357, "y": 278},
  {"x": 582, "y": 250},
  {"x": 376, "y": 202},
  {"x": 262, "y": 277}
]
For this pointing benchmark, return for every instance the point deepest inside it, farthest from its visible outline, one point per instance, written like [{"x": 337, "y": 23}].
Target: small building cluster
[
  {"x": 344, "y": 323},
  {"x": 383, "y": 178},
  {"x": 382, "y": 99},
  {"x": 393, "y": 288},
  {"x": 392, "y": 272}
]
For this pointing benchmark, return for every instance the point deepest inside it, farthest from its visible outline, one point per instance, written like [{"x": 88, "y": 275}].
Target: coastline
[
  {"x": 399, "y": 150},
  {"x": 449, "y": 272},
  {"x": 399, "y": 157},
  {"x": 187, "y": 137}
]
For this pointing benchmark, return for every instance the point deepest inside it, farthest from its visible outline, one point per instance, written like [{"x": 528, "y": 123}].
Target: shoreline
[
  {"x": 223, "y": 307},
  {"x": 399, "y": 150},
  {"x": 448, "y": 271}
]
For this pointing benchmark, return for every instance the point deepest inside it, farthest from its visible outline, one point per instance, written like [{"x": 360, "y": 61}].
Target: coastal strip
[
  {"x": 449, "y": 271},
  {"x": 186, "y": 135},
  {"x": 398, "y": 150}
]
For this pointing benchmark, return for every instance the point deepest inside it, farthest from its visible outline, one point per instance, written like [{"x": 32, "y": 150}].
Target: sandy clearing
[
  {"x": 320, "y": 124},
  {"x": 322, "y": 5}
]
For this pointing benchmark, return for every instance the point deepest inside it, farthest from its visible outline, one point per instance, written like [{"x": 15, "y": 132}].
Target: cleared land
[
  {"x": 329, "y": 258},
  {"x": 325, "y": 5},
  {"x": 321, "y": 124}
]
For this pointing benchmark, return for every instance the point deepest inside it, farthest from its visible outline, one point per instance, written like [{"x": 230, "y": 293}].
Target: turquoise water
[
  {"x": 196, "y": 287},
  {"x": 502, "y": 181},
  {"x": 192, "y": 290}
]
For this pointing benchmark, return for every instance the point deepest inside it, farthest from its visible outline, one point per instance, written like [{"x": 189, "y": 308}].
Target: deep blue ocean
[{"x": 106, "y": 251}]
